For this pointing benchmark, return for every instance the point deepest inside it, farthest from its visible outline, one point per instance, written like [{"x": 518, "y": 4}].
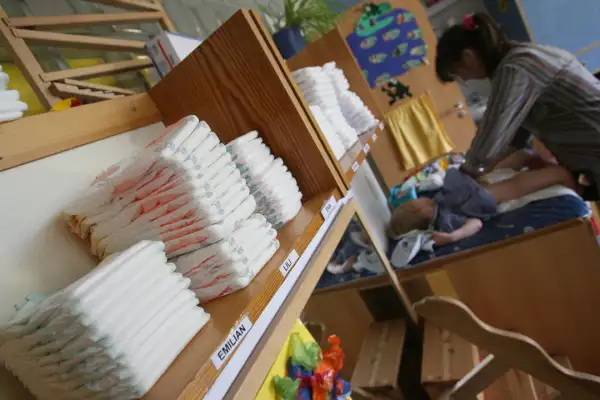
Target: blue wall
[
  {"x": 511, "y": 20},
  {"x": 569, "y": 24}
]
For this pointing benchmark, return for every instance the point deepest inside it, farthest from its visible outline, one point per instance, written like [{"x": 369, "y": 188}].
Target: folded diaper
[
  {"x": 230, "y": 264},
  {"x": 329, "y": 132},
  {"x": 237, "y": 282},
  {"x": 111, "y": 334},
  {"x": 272, "y": 185},
  {"x": 184, "y": 189}
]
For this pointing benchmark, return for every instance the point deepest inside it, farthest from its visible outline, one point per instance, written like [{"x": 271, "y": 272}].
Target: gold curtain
[{"x": 418, "y": 132}]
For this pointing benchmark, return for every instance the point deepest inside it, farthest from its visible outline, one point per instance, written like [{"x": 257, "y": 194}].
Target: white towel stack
[
  {"x": 109, "y": 335},
  {"x": 318, "y": 90},
  {"x": 276, "y": 191},
  {"x": 11, "y": 107}
]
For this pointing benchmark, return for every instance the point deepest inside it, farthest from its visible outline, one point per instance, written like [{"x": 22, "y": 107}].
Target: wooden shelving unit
[
  {"x": 237, "y": 82},
  {"x": 352, "y": 160},
  {"x": 333, "y": 47},
  {"x": 198, "y": 366}
]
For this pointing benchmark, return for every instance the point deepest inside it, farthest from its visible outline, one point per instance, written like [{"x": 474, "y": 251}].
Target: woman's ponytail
[
  {"x": 495, "y": 43},
  {"x": 478, "y": 32}
]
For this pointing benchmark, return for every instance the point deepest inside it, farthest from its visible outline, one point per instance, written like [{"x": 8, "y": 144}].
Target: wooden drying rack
[{"x": 19, "y": 32}]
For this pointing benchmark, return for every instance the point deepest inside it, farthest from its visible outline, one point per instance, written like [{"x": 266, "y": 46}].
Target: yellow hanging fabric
[{"x": 418, "y": 132}]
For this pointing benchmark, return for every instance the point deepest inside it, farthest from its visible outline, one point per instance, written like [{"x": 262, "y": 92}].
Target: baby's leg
[{"x": 528, "y": 182}]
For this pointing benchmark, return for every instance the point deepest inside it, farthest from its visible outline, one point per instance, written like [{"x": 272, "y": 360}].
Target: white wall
[{"x": 37, "y": 251}]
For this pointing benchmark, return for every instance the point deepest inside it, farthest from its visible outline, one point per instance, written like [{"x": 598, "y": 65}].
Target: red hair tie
[{"x": 468, "y": 22}]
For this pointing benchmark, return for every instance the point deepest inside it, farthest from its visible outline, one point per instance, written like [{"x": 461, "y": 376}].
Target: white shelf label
[
  {"x": 374, "y": 137},
  {"x": 355, "y": 166},
  {"x": 381, "y": 125},
  {"x": 234, "y": 338},
  {"x": 366, "y": 148},
  {"x": 289, "y": 262},
  {"x": 328, "y": 207}
]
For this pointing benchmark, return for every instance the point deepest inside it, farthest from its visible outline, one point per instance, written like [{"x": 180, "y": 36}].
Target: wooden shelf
[
  {"x": 353, "y": 159},
  {"x": 333, "y": 48},
  {"x": 193, "y": 372},
  {"x": 258, "y": 365}
]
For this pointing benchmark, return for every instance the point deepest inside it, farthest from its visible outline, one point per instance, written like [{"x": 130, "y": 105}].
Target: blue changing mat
[{"x": 536, "y": 215}]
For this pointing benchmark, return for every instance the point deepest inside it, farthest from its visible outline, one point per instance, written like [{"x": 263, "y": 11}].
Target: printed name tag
[
  {"x": 366, "y": 148},
  {"x": 355, "y": 166},
  {"x": 233, "y": 340},
  {"x": 328, "y": 207},
  {"x": 288, "y": 263}
]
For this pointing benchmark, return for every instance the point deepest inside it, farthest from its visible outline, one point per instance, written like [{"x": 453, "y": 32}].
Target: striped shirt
[{"x": 548, "y": 92}]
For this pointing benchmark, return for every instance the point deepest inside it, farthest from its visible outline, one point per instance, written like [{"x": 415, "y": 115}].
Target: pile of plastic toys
[{"x": 313, "y": 374}]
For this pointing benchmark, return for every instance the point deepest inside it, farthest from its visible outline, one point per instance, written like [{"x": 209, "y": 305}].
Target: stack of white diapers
[
  {"x": 109, "y": 335},
  {"x": 329, "y": 131},
  {"x": 11, "y": 107},
  {"x": 338, "y": 111},
  {"x": 231, "y": 264},
  {"x": 276, "y": 191},
  {"x": 356, "y": 112},
  {"x": 318, "y": 90},
  {"x": 184, "y": 190}
]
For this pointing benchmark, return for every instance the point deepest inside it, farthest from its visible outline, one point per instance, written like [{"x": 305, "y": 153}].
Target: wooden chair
[{"x": 507, "y": 351}]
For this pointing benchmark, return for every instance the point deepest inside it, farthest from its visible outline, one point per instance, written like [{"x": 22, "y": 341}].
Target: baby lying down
[{"x": 457, "y": 210}]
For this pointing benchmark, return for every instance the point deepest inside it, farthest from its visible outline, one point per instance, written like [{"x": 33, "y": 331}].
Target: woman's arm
[
  {"x": 514, "y": 92},
  {"x": 471, "y": 227}
]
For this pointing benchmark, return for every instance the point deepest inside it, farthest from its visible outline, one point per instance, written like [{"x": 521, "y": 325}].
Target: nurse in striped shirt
[{"x": 536, "y": 90}]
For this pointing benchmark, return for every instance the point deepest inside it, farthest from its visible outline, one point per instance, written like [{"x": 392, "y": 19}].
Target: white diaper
[
  {"x": 237, "y": 282},
  {"x": 111, "y": 334}
]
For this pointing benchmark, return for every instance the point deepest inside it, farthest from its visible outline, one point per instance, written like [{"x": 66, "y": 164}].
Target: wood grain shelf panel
[
  {"x": 192, "y": 373},
  {"x": 235, "y": 83},
  {"x": 31, "y": 138},
  {"x": 353, "y": 159},
  {"x": 333, "y": 48}
]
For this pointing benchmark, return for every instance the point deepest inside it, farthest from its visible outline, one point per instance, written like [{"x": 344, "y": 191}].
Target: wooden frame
[
  {"x": 16, "y": 33},
  {"x": 31, "y": 138},
  {"x": 333, "y": 48},
  {"x": 542, "y": 284},
  {"x": 508, "y": 350}
]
